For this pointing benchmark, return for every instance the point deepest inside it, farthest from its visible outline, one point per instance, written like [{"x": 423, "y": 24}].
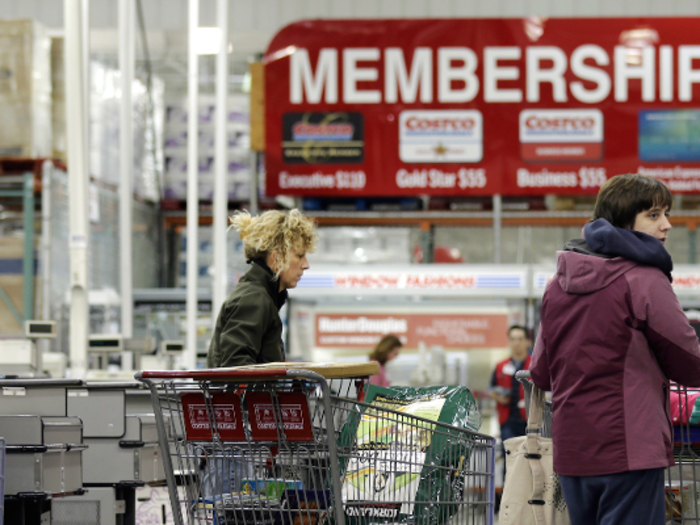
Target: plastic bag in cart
[
  {"x": 239, "y": 508},
  {"x": 296, "y": 507},
  {"x": 402, "y": 469}
]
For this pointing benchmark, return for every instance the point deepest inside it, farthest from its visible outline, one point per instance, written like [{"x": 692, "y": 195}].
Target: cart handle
[{"x": 222, "y": 374}]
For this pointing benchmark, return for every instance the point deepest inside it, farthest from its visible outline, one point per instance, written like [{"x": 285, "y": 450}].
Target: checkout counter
[
  {"x": 122, "y": 452},
  {"x": 44, "y": 448},
  {"x": 75, "y": 451}
]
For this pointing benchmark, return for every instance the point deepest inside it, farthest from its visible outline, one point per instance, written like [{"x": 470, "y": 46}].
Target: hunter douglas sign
[
  {"x": 477, "y": 107},
  {"x": 464, "y": 330}
]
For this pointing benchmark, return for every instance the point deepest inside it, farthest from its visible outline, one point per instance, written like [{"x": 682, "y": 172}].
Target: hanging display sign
[
  {"x": 477, "y": 107},
  {"x": 417, "y": 280},
  {"x": 463, "y": 331},
  {"x": 686, "y": 280}
]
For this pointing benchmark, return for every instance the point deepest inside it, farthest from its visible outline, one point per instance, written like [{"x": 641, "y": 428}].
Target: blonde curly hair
[{"x": 275, "y": 231}]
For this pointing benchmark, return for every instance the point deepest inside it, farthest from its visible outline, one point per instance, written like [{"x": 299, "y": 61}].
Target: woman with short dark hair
[{"x": 612, "y": 334}]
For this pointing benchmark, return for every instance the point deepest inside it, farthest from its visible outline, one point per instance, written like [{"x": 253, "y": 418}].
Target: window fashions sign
[{"x": 476, "y": 107}]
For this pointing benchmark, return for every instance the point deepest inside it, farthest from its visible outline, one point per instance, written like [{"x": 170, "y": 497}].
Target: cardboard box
[
  {"x": 25, "y": 90},
  {"x": 270, "y": 487},
  {"x": 153, "y": 505},
  {"x": 257, "y": 106},
  {"x": 688, "y": 494},
  {"x": 58, "y": 99}
]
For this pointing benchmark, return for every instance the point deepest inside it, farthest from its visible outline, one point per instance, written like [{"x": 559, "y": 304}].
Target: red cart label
[
  {"x": 225, "y": 412},
  {"x": 264, "y": 416},
  {"x": 291, "y": 415}
]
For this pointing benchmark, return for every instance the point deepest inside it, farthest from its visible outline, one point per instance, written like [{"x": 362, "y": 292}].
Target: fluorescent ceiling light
[{"x": 207, "y": 40}]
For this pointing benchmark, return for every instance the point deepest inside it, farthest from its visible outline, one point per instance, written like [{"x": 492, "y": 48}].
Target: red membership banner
[{"x": 479, "y": 107}]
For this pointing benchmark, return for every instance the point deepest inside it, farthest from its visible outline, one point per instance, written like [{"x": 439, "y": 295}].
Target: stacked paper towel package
[{"x": 176, "y": 139}]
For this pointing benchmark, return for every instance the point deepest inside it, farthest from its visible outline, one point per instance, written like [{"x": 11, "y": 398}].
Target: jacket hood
[
  {"x": 607, "y": 252},
  {"x": 606, "y": 239},
  {"x": 581, "y": 246},
  {"x": 581, "y": 273}
]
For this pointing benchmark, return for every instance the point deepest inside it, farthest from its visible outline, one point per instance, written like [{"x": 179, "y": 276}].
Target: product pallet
[{"x": 13, "y": 166}]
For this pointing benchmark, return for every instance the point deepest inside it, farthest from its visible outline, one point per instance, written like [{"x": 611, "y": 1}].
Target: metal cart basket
[
  {"x": 682, "y": 479},
  {"x": 524, "y": 377},
  {"x": 288, "y": 446}
]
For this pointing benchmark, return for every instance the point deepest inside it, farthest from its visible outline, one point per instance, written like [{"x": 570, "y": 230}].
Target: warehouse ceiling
[{"x": 167, "y": 51}]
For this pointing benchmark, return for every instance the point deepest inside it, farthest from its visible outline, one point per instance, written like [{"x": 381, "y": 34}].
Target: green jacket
[{"x": 249, "y": 329}]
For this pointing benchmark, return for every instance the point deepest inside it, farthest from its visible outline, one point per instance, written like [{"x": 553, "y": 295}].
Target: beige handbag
[{"x": 532, "y": 493}]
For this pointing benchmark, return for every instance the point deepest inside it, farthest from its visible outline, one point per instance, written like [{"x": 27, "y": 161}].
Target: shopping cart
[
  {"x": 524, "y": 377},
  {"x": 682, "y": 481},
  {"x": 280, "y": 446}
]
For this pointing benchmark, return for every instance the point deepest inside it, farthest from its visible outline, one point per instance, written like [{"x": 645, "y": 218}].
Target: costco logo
[
  {"x": 441, "y": 136},
  {"x": 561, "y": 135},
  {"x": 454, "y": 126}
]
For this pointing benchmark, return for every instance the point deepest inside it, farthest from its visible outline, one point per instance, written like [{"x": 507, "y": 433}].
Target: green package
[{"x": 398, "y": 465}]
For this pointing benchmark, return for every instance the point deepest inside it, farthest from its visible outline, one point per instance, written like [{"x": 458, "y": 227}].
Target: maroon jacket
[{"x": 612, "y": 334}]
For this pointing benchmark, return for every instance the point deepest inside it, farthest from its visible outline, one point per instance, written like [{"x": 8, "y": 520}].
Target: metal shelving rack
[{"x": 14, "y": 187}]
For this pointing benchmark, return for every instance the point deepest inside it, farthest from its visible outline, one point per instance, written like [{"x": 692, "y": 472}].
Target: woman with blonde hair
[
  {"x": 387, "y": 349},
  {"x": 249, "y": 329}
]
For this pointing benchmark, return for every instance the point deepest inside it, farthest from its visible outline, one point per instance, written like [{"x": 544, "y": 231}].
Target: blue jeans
[
  {"x": 512, "y": 428},
  {"x": 627, "y": 498}
]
